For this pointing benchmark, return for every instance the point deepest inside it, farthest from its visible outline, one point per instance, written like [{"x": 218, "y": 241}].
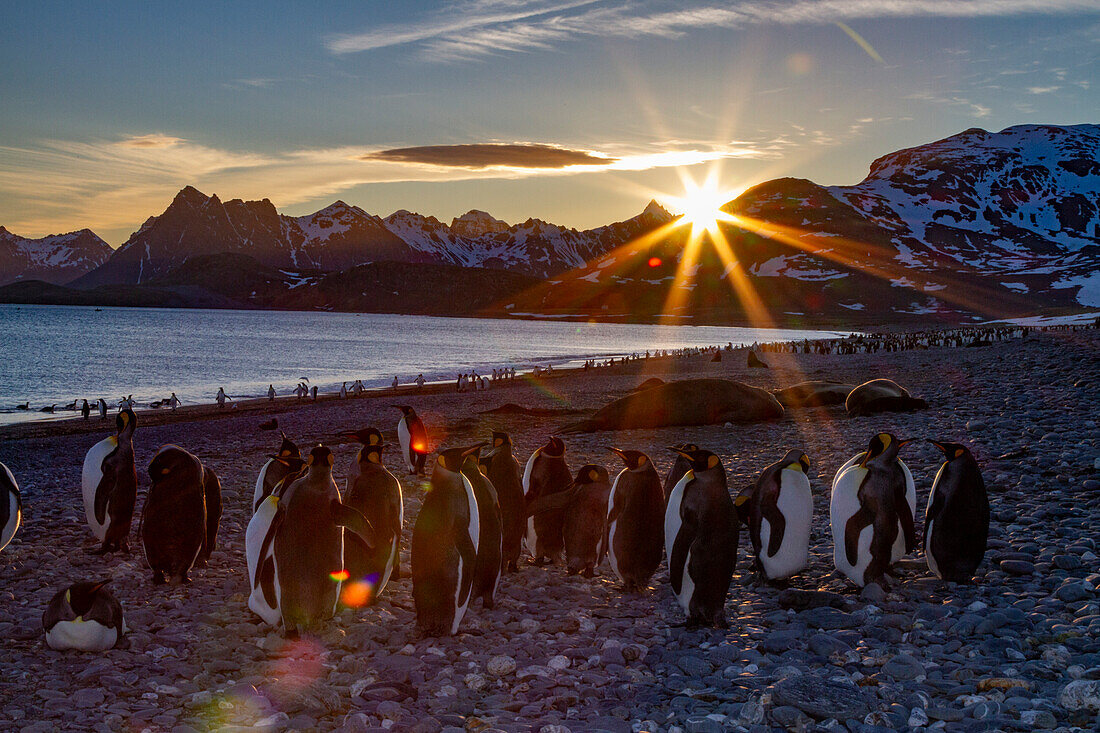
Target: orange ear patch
[
  {"x": 740, "y": 500},
  {"x": 498, "y": 442},
  {"x": 712, "y": 461},
  {"x": 958, "y": 452},
  {"x": 641, "y": 461},
  {"x": 592, "y": 475}
]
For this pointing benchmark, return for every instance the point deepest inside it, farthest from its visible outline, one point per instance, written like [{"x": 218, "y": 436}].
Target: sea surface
[{"x": 55, "y": 354}]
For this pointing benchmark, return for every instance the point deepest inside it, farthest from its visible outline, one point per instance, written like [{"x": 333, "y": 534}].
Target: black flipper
[
  {"x": 856, "y": 523},
  {"x": 933, "y": 513},
  {"x": 353, "y": 519},
  {"x": 103, "y": 491},
  {"x": 468, "y": 552},
  {"x": 557, "y": 501},
  {"x": 905, "y": 516},
  {"x": 265, "y": 577},
  {"x": 770, "y": 511}
]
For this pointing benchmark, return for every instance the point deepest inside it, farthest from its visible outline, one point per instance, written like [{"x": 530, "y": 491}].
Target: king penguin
[
  {"x": 11, "y": 507},
  {"x": 109, "y": 481},
  {"x": 782, "y": 509},
  {"x": 413, "y": 439},
  {"x": 85, "y": 617},
  {"x": 487, "y": 571},
  {"x": 444, "y": 546},
  {"x": 502, "y": 470},
  {"x": 274, "y": 470},
  {"x": 870, "y": 514},
  {"x": 173, "y": 520},
  {"x": 307, "y": 533},
  {"x": 376, "y": 493},
  {"x": 680, "y": 466},
  {"x": 546, "y": 473},
  {"x": 956, "y": 523},
  {"x": 701, "y": 537},
  {"x": 586, "y": 520},
  {"x": 263, "y": 576},
  {"x": 635, "y": 520}
]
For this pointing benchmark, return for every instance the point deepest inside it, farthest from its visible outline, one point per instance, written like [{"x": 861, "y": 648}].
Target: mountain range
[{"x": 976, "y": 225}]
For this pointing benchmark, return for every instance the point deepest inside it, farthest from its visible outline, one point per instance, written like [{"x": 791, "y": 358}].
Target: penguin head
[
  {"x": 125, "y": 420},
  {"x": 700, "y": 460},
  {"x": 406, "y": 410},
  {"x": 287, "y": 448},
  {"x": 555, "y": 447},
  {"x": 501, "y": 439},
  {"x": 796, "y": 460},
  {"x": 451, "y": 460},
  {"x": 883, "y": 445},
  {"x": 320, "y": 457},
  {"x": 951, "y": 451},
  {"x": 294, "y": 462},
  {"x": 591, "y": 474},
  {"x": 366, "y": 436},
  {"x": 633, "y": 459},
  {"x": 371, "y": 453},
  {"x": 80, "y": 597}
]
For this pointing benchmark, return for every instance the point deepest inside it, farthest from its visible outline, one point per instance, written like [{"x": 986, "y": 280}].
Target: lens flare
[
  {"x": 340, "y": 575},
  {"x": 356, "y": 594},
  {"x": 654, "y": 261}
]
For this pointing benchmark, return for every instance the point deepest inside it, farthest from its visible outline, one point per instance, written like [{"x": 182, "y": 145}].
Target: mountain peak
[
  {"x": 656, "y": 211},
  {"x": 475, "y": 223}
]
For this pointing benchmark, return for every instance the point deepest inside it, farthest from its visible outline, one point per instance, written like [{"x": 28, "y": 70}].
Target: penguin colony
[{"x": 307, "y": 542}]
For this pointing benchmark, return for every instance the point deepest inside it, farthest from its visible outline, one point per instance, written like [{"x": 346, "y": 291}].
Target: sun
[{"x": 701, "y": 205}]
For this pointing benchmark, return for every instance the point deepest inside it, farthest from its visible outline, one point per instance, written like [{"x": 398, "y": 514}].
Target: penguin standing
[
  {"x": 701, "y": 536},
  {"x": 173, "y": 521},
  {"x": 956, "y": 523},
  {"x": 487, "y": 572},
  {"x": 413, "y": 439},
  {"x": 276, "y": 468},
  {"x": 546, "y": 473},
  {"x": 263, "y": 576},
  {"x": 308, "y": 538},
  {"x": 11, "y": 506},
  {"x": 870, "y": 514},
  {"x": 84, "y": 616},
  {"x": 635, "y": 520},
  {"x": 586, "y": 520},
  {"x": 109, "y": 481},
  {"x": 680, "y": 466},
  {"x": 444, "y": 546},
  {"x": 780, "y": 516},
  {"x": 899, "y": 549},
  {"x": 376, "y": 494},
  {"x": 502, "y": 470}
]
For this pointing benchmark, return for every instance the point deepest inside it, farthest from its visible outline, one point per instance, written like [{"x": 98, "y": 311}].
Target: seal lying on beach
[
  {"x": 688, "y": 402},
  {"x": 816, "y": 393},
  {"x": 881, "y": 395}
]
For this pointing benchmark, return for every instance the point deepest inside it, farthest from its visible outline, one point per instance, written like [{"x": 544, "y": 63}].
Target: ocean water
[{"x": 55, "y": 354}]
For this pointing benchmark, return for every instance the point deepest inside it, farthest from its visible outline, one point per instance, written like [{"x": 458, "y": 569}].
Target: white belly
[
  {"x": 687, "y": 585},
  {"x": 796, "y": 504},
  {"x": 253, "y": 542},
  {"x": 843, "y": 504},
  {"x": 475, "y": 535},
  {"x": 928, "y": 554},
  {"x": 85, "y": 636},
  {"x": 259, "y": 491},
  {"x": 90, "y": 477},
  {"x": 15, "y": 518},
  {"x": 612, "y": 526},
  {"x": 531, "y": 536},
  {"x": 404, "y": 439}
]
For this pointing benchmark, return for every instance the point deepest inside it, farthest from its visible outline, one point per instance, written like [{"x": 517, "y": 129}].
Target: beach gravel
[{"x": 1016, "y": 650}]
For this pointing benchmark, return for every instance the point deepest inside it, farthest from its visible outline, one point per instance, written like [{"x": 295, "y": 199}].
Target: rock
[
  {"x": 1038, "y": 719},
  {"x": 904, "y": 668},
  {"x": 559, "y": 663},
  {"x": 790, "y": 717},
  {"x": 1072, "y": 592},
  {"x": 1001, "y": 683},
  {"x": 800, "y": 600},
  {"x": 820, "y": 697},
  {"x": 1081, "y": 695},
  {"x": 828, "y": 618},
  {"x": 501, "y": 666},
  {"x": 752, "y": 712},
  {"x": 1017, "y": 567},
  {"x": 873, "y": 593}
]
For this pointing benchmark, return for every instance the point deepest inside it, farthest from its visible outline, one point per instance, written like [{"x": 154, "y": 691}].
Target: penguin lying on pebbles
[{"x": 85, "y": 617}]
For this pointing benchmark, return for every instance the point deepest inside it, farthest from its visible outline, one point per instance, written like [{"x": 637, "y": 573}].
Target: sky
[{"x": 576, "y": 112}]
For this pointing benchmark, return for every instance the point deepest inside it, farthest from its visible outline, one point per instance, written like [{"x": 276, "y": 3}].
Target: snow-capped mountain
[
  {"x": 978, "y": 223},
  {"x": 57, "y": 258},
  {"x": 340, "y": 236}
]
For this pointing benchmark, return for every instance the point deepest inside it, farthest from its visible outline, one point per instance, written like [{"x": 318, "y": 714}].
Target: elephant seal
[
  {"x": 818, "y": 393},
  {"x": 881, "y": 395},
  {"x": 687, "y": 402}
]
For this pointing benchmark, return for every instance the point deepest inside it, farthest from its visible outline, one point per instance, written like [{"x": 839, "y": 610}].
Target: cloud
[
  {"x": 154, "y": 140},
  {"x": 489, "y": 155},
  {"x": 111, "y": 186},
  {"x": 492, "y": 28},
  {"x": 1043, "y": 90}
]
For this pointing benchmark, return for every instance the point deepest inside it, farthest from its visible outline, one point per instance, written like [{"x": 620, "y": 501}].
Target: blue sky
[{"x": 110, "y": 108}]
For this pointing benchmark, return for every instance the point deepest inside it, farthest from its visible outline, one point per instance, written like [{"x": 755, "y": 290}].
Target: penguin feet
[
  {"x": 540, "y": 561},
  {"x": 588, "y": 572},
  {"x": 200, "y": 563}
]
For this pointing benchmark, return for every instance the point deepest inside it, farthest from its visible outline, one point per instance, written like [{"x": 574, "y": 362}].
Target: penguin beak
[
  {"x": 678, "y": 451},
  {"x": 617, "y": 452},
  {"x": 905, "y": 442}
]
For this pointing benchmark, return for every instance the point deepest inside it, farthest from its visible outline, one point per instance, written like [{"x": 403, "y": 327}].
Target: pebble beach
[{"x": 1019, "y": 649}]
